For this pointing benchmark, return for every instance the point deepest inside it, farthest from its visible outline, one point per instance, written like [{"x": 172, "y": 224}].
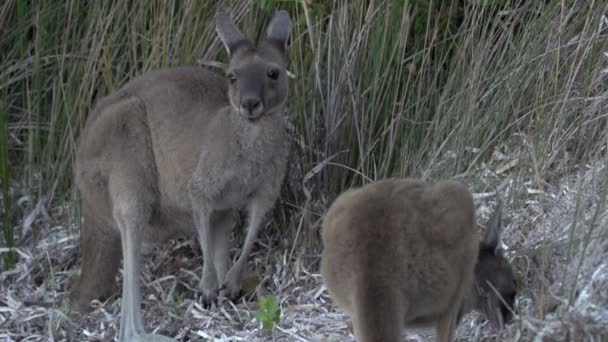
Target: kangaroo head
[
  {"x": 257, "y": 75},
  {"x": 494, "y": 276}
]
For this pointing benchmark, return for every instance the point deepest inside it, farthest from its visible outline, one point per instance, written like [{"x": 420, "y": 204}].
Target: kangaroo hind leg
[
  {"x": 100, "y": 251},
  {"x": 378, "y": 314}
]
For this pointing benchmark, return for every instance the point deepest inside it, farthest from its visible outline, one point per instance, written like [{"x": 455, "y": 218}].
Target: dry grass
[
  {"x": 510, "y": 97},
  {"x": 539, "y": 238}
]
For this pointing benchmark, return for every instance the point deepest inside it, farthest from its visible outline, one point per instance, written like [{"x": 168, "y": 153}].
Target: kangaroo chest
[{"x": 228, "y": 175}]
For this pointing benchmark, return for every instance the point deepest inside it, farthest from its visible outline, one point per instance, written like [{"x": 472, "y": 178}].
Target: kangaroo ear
[
  {"x": 279, "y": 29},
  {"x": 230, "y": 35},
  {"x": 494, "y": 228}
]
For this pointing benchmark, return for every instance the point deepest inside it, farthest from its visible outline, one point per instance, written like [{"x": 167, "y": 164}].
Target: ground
[{"x": 556, "y": 238}]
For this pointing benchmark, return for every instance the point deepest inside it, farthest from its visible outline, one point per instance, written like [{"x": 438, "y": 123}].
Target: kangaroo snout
[{"x": 251, "y": 107}]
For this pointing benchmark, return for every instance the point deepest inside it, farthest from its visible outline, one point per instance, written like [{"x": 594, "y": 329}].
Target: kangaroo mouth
[{"x": 251, "y": 117}]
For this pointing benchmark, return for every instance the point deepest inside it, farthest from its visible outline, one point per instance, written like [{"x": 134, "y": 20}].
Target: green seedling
[{"x": 269, "y": 312}]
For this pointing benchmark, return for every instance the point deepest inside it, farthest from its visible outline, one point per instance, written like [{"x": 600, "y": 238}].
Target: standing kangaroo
[
  {"x": 178, "y": 149},
  {"x": 402, "y": 252}
]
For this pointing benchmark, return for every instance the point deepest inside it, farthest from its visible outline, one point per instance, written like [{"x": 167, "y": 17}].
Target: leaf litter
[{"x": 559, "y": 249}]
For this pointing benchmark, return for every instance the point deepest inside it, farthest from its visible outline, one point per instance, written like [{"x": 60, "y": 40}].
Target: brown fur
[
  {"x": 180, "y": 150},
  {"x": 402, "y": 252}
]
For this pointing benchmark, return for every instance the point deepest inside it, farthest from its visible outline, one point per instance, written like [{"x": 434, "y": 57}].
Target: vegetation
[
  {"x": 269, "y": 313},
  {"x": 424, "y": 88},
  {"x": 382, "y": 88}
]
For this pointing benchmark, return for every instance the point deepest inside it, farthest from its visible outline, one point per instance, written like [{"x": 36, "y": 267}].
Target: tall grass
[
  {"x": 7, "y": 231},
  {"x": 383, "y": 88}
]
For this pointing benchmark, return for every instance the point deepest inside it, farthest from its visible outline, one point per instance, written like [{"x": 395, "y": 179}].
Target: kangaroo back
[{"x": 405, "y": 244}]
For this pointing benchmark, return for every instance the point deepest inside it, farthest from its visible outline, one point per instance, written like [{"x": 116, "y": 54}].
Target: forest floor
[{"x": 556, "y": 238}]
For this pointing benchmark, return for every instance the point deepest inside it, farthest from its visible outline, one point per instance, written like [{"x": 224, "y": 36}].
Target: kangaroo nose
[{"x": 251, "y": 106}]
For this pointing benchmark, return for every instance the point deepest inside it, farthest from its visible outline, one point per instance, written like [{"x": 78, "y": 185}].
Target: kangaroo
[
  {"x": 181, "y": 150},
  {"x": 402, "y": 252}
]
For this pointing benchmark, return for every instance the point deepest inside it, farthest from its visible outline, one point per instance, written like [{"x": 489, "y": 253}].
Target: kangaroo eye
[
  {"x": 273, "y": 74},
  {"x": 231, "y": 77}
]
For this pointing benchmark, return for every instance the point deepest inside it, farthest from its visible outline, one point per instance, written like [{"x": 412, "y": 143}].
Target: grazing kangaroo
[
  {"x": 181, "y": 150},
  {"x": 402, "y": 252}
]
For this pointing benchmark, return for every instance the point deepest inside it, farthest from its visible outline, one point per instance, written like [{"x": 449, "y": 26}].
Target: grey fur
[
  {"x": 176, "y": 151},
  {"x": 229, "y": 34},
  {"x": 402, "y": 252}
]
